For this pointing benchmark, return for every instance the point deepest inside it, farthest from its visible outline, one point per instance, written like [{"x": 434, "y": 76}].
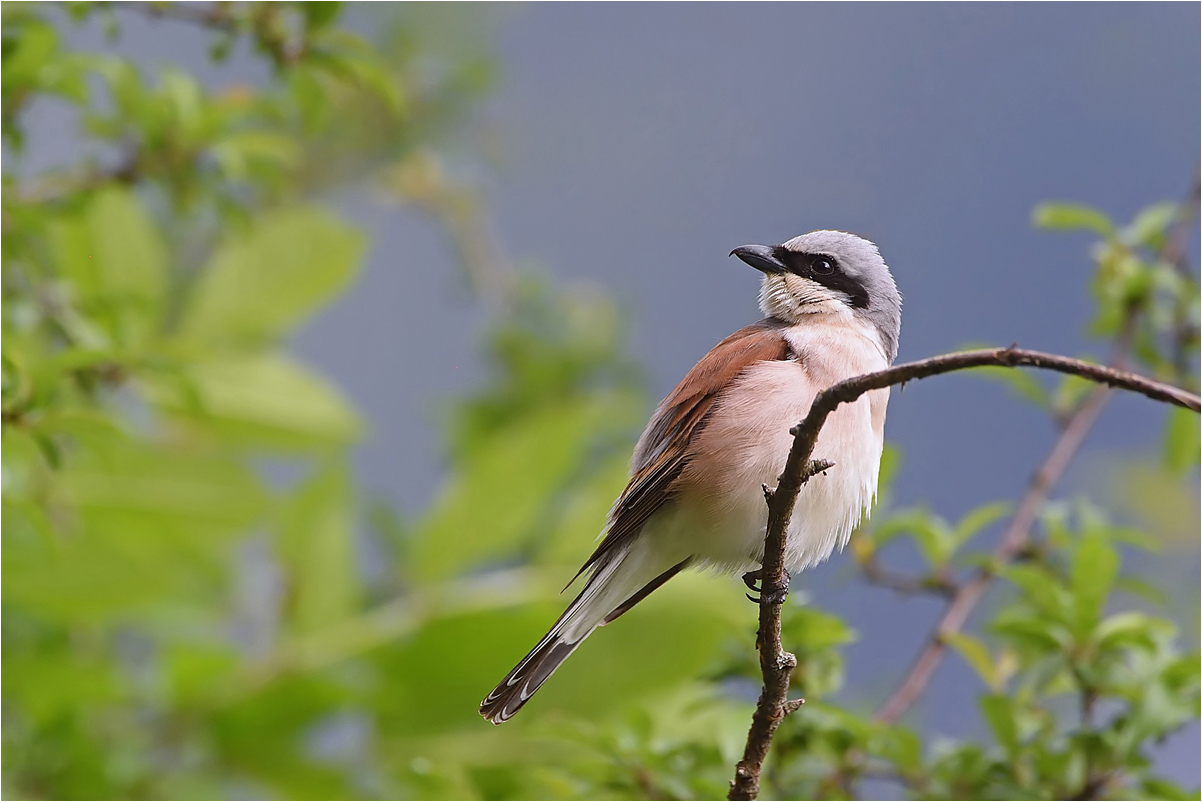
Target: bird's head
[{"x": 827, "y": 272}]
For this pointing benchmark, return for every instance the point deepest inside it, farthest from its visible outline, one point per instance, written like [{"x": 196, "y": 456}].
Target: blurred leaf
[
  {"x": 977, "y": 655},
  {"x": 1182, "y": 438},
  {"x": 891, "y": 460},
  {"x": 979, "y": 519},
  {"x": 1123, "y": 629},
  {"x": 807, "y": 628},
  {"x": 998, "y": 711},
  {"x": 1071, "y": 391},
  {"x": 580, "y": 513},
  {"x": 319, "y": 548},
  {"x": 1023, "y": 384},
  {"x": 261, "y": 285},
  {"x": 116, "y": 261},
  {"x": 1072, "y": 217},
  {"x": 1149, "y": 226},
  {"x": 504, "y": 490},
  {"x": 321, "y": 14},
  {"x": 238, "y": 153},
  {"x": 266, "y": 400},
  {"x": 149, "y": 520},
  {"x": 1094, "y": 569},
  {"x": 932, "y": 535},
  {"x": 1166, "y": 506}
]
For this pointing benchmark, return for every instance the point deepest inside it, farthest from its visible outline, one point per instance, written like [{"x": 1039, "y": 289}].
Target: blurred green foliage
[{"x": 198, "y": 602}]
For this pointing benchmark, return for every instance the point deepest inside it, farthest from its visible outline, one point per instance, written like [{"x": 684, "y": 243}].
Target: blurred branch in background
[{"x": 197, "y": 602}]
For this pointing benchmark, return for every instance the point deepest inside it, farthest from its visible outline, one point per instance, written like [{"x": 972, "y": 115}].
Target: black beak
[{"x": 761, "y": 257}]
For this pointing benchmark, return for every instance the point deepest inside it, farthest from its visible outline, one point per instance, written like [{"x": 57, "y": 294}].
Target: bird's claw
[{"x": 754, "y": 581}]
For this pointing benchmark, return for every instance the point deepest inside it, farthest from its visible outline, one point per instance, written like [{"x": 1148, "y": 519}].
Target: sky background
[{"x": 630, "y": 147}]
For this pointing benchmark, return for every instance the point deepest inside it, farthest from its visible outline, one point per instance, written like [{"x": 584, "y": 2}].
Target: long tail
[{"x": 597, "y": 605}]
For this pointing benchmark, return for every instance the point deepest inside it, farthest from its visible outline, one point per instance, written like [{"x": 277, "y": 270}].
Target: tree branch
[{"x": 776, "y": 665}]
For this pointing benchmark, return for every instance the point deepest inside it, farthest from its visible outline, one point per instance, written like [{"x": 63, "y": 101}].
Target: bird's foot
[{"x": 754, "y": 580}]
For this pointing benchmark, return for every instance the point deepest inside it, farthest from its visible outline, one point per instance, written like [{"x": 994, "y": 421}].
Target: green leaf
[
  {"x": 977, "y": 655},
  {"x": 891, "y": 458},
  {"x": 319, "y": 549},
  {"x": 116, "y": 261},
  {"x": 260, "y": 286},
  {"x": 808, "y": 629},
  {"x": 1039, "y": 585},
  {"x": 508, "y": 487},
  {"x": 898, "y": 745},
  {"x": 1128, "y": 628},
  {"x": 1149, "y": 226},
  {"x": 320, "y": 14},
  {"x": 240, "y": 152},
  {"x": 1070, "y": 392},
  {"x": 142, "y": 527},
  {"x": 1072, "y": 217},
  {"x": 1161, "y": 788},
  {"x": 260, "y": 401},
  {"x": 931, "y": 534},
  {"x": 1182, "y": 440},
  {"x": 1042, "y": 633},
  {"x": 171, "y": 489},
  {"x": 999, "y": 713},
  {"x": 1023, "y": 384},
  {"x": 1094, "y": 568},
  {"x": 980, "y": 518}
]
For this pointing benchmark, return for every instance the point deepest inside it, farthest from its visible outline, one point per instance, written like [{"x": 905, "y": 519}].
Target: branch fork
[{"x": 776, "y": 665}]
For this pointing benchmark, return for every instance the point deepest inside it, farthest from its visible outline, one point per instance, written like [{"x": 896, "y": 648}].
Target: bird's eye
[{"x": 822, "y": 266}]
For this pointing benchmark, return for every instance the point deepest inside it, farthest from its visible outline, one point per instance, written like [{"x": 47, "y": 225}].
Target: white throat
[{"x": 793, "y": 299}]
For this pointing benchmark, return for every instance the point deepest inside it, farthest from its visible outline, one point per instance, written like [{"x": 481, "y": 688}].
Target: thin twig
[
  {"x": 61, "y": 186},
  {"x": 209, "y": 15},
  {"x": 776, "y": 664},
  {"x": 875, "y": 574},
  {"x": 847, "y": 391}
]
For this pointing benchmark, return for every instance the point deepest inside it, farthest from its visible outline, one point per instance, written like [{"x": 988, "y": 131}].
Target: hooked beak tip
[{"x": 761, "y": 257}]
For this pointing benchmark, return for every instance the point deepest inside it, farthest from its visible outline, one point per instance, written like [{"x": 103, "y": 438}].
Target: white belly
[{"x": 720, "y": 513}]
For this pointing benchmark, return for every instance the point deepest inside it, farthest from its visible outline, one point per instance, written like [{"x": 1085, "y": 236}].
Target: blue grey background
[
  {"x": 632, "y": 146},
  {"x": 640, "y": 143}
]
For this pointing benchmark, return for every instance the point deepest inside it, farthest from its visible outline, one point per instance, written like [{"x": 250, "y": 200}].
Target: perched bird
[{"x": 695, "y": 498}]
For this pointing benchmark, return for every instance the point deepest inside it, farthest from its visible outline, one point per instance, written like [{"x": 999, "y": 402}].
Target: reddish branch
[{"x": 775, "y": 664}]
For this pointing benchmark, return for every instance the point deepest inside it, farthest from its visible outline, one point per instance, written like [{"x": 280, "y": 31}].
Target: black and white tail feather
[{"x": 594, "y": 607}]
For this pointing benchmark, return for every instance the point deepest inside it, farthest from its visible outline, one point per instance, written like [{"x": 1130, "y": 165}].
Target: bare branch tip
[{"x": 792, "y": 706}]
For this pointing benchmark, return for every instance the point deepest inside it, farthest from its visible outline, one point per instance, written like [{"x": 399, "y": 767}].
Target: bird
[{"x": 695, "y": 498}]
